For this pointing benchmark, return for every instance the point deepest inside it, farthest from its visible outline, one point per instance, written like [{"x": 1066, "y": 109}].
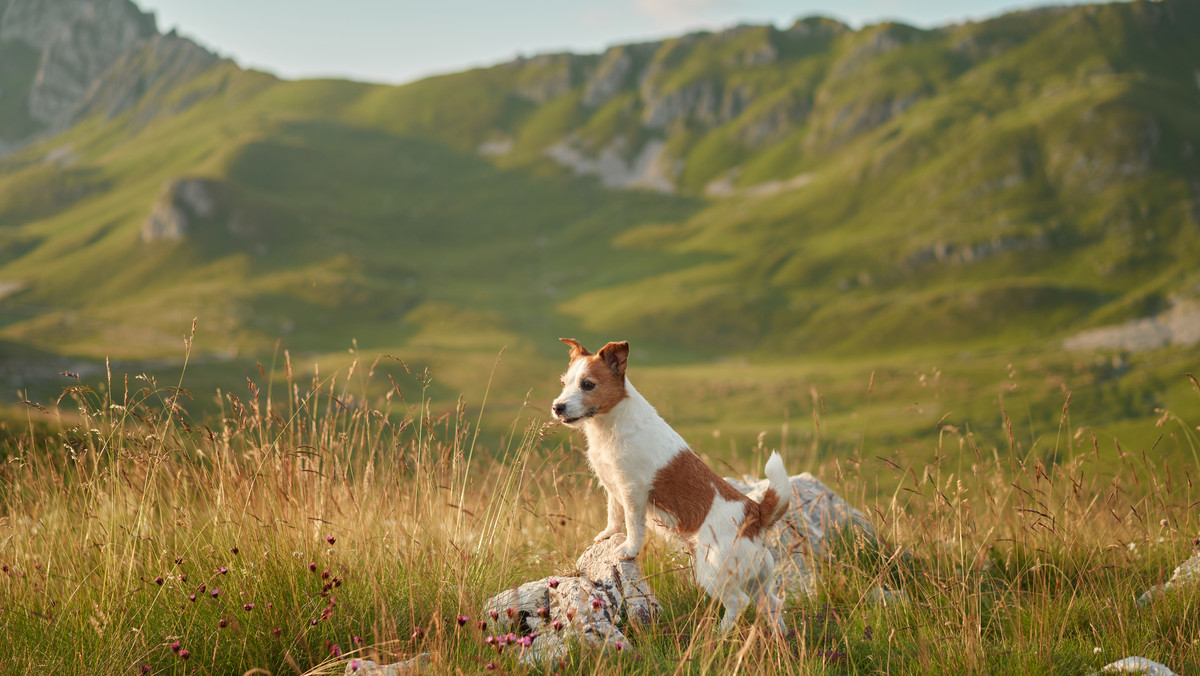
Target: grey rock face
[
  {"x": 79, "y": 41},
  {"x": 1137, "y": 665},
  {"x": 589, "y": 608},
  {"x": 416, "y": 665},
  {"x": 158, "y": 64},
  {"x": 1187, "y": 573},
  {"x": 182, "y": 205},
  {"x": 609, "y": 77}
]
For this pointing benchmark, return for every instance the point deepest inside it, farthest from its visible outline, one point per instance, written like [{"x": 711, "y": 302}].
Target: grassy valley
[{"x": 821, "y": 209}]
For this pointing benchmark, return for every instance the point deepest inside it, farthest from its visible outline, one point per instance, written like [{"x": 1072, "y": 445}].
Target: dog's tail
[{"x": 774, "y": 503}]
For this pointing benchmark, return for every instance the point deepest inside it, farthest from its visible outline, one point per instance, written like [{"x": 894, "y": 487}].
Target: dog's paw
[
  {"x": 628, "y": 553},
  {"x": 604, "y": 535}
]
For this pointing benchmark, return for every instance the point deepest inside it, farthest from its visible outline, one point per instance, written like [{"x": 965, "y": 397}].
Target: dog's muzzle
[{"x": 560, "y": 412}]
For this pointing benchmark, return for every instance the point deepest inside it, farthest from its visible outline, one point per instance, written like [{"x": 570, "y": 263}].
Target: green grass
[{"x": 350, "y": 513}]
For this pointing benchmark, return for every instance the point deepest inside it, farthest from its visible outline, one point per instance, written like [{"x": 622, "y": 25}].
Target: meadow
[{"x": 323, "y": 518}]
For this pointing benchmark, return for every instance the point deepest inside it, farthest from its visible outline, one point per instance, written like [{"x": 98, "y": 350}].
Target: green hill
[{"x": 775, "y": 218}]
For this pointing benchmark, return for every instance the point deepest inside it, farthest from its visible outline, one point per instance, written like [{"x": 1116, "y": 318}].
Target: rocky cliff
[{"x": 61, "y": 52}]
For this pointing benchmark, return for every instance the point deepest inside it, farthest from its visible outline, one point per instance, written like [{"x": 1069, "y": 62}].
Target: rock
[
  {"x": 802, "y": 535},
  {"x": 549, "y": 615},
  {"x": 1136, "y": 665},
  {"x": 1178, "y": 326},
  {"x": 415, "y": 665},
  {"x": 185, "y": 203},
  {"x": 1187, "y": 573},
  {"x": 887, "y": 597},
  {"x": 156, "y": 66},
  {"x": 609, "y": 77},
  {"x": 650, "y": 169},
  {"x": 79, "y": 42},
  {"x": 546, "y": 76}
]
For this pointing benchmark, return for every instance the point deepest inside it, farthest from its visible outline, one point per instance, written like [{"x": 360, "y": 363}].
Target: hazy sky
[{"x": 403, "y": 40}]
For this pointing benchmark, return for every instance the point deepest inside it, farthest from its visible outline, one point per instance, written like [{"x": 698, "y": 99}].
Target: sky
[{"x": 397, "y": 41}]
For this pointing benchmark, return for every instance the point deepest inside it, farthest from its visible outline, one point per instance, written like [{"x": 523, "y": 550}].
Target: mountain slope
[{"x": 884, "y": 195}]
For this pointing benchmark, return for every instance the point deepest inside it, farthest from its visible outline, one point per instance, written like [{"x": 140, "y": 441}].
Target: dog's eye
[{"x": 587, "y": 385}]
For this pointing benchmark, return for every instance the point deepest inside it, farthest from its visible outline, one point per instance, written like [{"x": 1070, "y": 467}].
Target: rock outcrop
[
  {"x": 79, "y": 40},
  {"x": 1178, "y": 326},
  {"x": 82, "y": 48},
  {"x": 545, "y": 618},
  {"x": 183, "y": 205},
  {"x": 1186, "y": 574},
  {"x": 1137, "y": 665}
]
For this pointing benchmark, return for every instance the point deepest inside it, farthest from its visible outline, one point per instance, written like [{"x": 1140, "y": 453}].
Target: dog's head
[{"x": 593, "y": 383}]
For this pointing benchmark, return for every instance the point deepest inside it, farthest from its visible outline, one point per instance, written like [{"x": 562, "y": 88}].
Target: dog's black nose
[{"x": 560, "y": 409}]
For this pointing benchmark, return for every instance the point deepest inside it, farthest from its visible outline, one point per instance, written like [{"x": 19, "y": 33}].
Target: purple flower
[
  {"x": 312, "y": 567},
  {"x": 215, "y": 592},
  {"x": 463, "y": 619},
  {"x": 145, "y": 668},
  {"x": 418, "y": 634},
  {"x": 222, "y": 570},
  {"x": 183, "y": 577},
  {"x": 183, "y": 654},
  {"x": 494, "y": 614},
  {"x": 620, "y": 646},
  {"x": 525, "y": 641},
  {"x": 553, "y": 584},
  {"x": 482, "y": 624},
  {"x": 331, "y": 539},
  {"x": 192, "y": 598},
  {"x": 354, "y": 665},
  {"x": 557, "y": 624},
  {"x": 277, "y": 631},
  {"x": 335, "y": 650},
  {"x": 356, "y": 640},
  {"x": 248, "y": 607},
  {"x": 158, "y": 580},
  {"x": 222, "y": 623},
  {"x": 234, "y": 550},
  {"x": 175, "y": 646},
  {"x": 313, "y": 623},
  {"x": 490, "y": 666},
  {"x": 543, "y": 612}
]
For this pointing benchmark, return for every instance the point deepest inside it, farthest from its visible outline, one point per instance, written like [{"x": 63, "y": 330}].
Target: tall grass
[{"x": 333, "y": 519}]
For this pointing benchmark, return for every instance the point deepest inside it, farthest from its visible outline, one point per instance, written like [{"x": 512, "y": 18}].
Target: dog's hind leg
[
  {"x": 735, "y": 602},
  {"x": 771, "y": 607}
]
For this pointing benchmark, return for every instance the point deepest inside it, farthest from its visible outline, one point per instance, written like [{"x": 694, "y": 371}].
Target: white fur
[{"x": 626, "y": 448}]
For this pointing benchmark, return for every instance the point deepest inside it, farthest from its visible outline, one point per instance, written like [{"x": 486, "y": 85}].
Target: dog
[{"x": 649, "y": 473}]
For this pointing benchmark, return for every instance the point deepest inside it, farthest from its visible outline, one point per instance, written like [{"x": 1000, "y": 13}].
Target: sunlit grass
[{"x": 333, "y": 518}]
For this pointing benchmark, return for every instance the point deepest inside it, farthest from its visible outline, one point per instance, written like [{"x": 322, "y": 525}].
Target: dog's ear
[
  {"x": 577, "y": 350},
  {"x": 616, "y": 355}
]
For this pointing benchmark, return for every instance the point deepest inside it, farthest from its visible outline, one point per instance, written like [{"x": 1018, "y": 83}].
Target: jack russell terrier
[{"x": 648, "y": 470}]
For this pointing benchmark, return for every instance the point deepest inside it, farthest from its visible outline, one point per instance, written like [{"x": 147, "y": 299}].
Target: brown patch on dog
[
  {"x": 759, "y": 515},
  {"x": 616, "y": 356},
  {"x": 609, "y": 387},
  {"x": 686, "y": 487}
]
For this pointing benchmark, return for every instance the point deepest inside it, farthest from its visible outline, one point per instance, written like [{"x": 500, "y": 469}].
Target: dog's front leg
[
  {"x": 616, "y": 514},
  {"x": 635, "y": 527}
]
